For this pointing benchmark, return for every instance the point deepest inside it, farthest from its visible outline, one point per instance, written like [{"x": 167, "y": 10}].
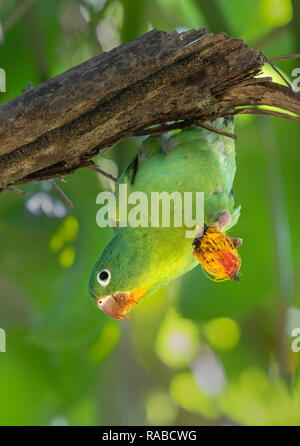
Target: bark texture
[{"x": 56, "y": 127}]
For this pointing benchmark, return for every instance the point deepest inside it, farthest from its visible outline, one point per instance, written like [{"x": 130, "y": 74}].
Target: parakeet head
[
  {"x": 217, "y": 254},
  {"x": 116, "y": 281}
]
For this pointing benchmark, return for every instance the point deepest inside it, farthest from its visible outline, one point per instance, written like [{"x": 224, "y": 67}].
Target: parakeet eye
[{"x": 104, "y": 277}]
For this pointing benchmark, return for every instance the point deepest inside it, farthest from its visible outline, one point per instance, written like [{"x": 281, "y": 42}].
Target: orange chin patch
[
  {"x": 117, "y": 305},
  {"x": 217, "y": 255}
]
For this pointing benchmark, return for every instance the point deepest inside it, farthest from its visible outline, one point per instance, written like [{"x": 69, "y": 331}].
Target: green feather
[{"x": 191, "y": 160}]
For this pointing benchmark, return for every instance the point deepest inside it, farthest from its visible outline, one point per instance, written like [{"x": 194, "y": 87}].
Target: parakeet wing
[{"x": 128, "y": 176}]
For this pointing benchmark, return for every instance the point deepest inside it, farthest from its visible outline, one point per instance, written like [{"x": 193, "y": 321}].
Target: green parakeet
[{"x": 139, "y": 260}]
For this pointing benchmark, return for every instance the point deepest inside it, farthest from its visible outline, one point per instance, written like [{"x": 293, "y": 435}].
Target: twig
[
  {"x": 1, "y": 34},
  {"x": 61, "y": 193},
  {"x": 277, "y": 71},
  {"x": 218, "y": 131},
  {"x": 29, "y": 87},
  {"x": 17, "y": 14},
  {"x": 15, "y": 190},
  {"x": 269, "y": 38},
  {"x": 94, "y": 166},
  {"x": 181, "y": 125},
  {"x": 288, "y": 56},
  {"x": 260, "y": 111}
]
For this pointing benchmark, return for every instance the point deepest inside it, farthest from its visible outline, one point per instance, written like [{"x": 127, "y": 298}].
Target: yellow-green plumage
[{"x": 189, "y": 161}]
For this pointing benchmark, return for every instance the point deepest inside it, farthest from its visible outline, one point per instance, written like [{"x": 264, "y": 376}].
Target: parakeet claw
[
  {"x": 237, "y": 242},
  {"x": 224, "y": 220}
]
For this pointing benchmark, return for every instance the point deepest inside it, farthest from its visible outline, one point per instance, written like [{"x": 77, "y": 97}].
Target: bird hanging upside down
[{"x": 139, "y": 260}]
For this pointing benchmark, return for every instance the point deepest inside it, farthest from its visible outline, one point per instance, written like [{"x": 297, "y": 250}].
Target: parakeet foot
[
  {"x": 224, "y": 220},
  {"x": 237, "y": 242}
]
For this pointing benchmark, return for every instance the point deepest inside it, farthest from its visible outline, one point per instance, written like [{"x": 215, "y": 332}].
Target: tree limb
[{"x": 56, "y": 127}]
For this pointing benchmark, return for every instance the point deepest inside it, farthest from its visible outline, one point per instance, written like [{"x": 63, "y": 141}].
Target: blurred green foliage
[{"x": 196, "y": 352}]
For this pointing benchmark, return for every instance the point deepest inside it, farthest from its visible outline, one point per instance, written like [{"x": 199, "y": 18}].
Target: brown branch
[
  {"x": 57, "y": 127},
  {"x": 15, "y": 190},
  {"x": 94, "y": 166},
  {"x": 213, "y": 129},
  {"x": 271, "y": 37},
  {"x": 277, "y": 71},
  {"x": 61, "y": 193},
  {"x": 262, "y": 92},
  {"x": 286, "y": 57},
  {"x": 261, "y": 111},
  {"x": 17, "y": 14},
  {"x": 159, "y": 129}
]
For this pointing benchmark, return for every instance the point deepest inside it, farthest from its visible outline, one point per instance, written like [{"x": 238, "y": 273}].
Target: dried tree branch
[
  {"x": 61, "y": 193},
  {"x": 15, "y": 190},
  {"x": 158, "y": 130},
  {"x": 277, "y": 71},
  {"x": 17, "y": 14},
  {"x": 213, "y": 129},
  {"x": 58, "y": 126},
  {"x": 95, "y": 167},
  {"x": 286, "y": 57},
  {"x": 260, "y": 111}
]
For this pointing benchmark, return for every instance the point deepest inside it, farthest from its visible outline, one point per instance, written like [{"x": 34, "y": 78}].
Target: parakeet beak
[
  {"x": 117, "y": 305},
  {"x": 217, "y": 254}
]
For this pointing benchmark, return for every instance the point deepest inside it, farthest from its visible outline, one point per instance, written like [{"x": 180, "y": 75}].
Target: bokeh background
[{"x": 196, "y": 352}]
